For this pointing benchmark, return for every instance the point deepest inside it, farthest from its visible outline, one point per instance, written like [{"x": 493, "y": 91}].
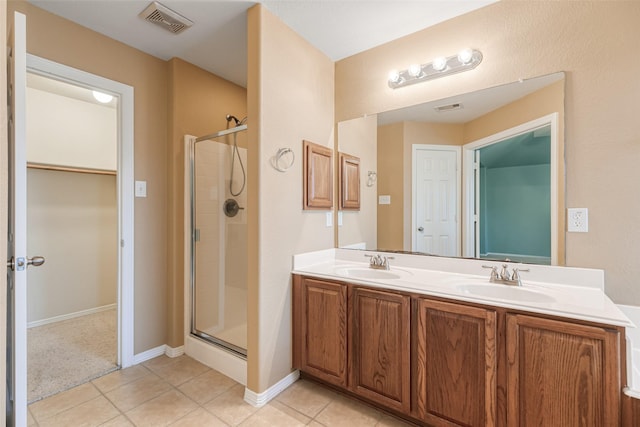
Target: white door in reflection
[{"x": 435, "y": 199}]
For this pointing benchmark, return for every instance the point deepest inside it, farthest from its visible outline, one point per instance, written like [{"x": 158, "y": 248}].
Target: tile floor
[{"x": 182, "y": 392}]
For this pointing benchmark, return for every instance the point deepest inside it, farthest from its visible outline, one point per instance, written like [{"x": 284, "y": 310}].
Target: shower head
[{"x": 235, "y": 119}]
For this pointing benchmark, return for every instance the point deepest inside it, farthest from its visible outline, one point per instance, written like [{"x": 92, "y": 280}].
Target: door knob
[
  {"x": 20, "y": 263},
  {"x": 36, "y": 261},
  {"x": 420, "y": 228}
]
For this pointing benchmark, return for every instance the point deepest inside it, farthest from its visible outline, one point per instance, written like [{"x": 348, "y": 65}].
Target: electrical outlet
[{"x": 578, "y": 220}]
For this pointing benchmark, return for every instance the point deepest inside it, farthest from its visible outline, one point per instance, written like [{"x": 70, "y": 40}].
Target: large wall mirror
[{"x": 476, "y": 175}]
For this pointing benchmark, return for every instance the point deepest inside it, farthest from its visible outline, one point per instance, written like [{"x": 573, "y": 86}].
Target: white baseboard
[
  {"x": 174, "y": 352},
  {"x": 261, "y": 399},
  {"x": 71, "y": 315},
  {"x": 158, "y": 351},
  {"x": 149, "y": 354}
]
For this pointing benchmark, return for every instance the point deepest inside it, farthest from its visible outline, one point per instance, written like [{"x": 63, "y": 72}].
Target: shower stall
[{"x": 217, "y": 241}]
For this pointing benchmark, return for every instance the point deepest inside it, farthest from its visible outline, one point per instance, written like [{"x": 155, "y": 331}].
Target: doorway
[
  {"x": 510, "y": 194},
  {"x": 72, "y": 217},
  {"x": 123, "y": 238}
]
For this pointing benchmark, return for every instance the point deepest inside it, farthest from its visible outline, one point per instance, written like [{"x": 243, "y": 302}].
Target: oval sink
[
  {"x": 505, "y": 292},
  {"x": 370, "y": 273}
]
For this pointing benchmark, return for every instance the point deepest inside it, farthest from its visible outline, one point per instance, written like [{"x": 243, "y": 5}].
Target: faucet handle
[
  {"x": 494, "y": 272},
  {"x": 516, "y": 275}
]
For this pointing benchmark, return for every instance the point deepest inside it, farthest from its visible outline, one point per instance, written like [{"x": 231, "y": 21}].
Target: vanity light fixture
[{"x": 467, "y": 59}]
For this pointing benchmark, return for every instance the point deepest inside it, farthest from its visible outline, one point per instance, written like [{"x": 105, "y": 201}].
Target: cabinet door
[
  {"x": 561, "y": 374},
  {"x": 323, "y": 345},
  {"x": 380, "y": 349},
  {"x": 456, "y": 364}
]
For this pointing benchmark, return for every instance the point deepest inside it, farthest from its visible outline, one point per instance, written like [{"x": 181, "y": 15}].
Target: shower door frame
[{"x": 238, "y": 351}]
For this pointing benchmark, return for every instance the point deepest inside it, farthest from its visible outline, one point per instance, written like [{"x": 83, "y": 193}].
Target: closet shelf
[{"x": 45, "y": 166}]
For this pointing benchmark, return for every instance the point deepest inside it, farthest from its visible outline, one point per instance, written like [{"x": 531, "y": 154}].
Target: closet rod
[{"x": 45, "y": 166}]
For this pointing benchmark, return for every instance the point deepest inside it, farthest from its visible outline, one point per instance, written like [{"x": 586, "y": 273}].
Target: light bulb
[
  {"x": 440, "y": 63},
  {"x": 394, "y": 76},
  {"x": 465, "y": 56},
  {"x": 415, "y": 70},
  {"x": 102, "y": 97}
]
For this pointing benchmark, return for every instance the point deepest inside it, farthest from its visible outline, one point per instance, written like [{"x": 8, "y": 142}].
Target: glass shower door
[{"x": 219, "y": 246}]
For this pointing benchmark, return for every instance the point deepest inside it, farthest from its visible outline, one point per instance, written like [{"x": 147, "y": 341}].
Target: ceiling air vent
[
  {"x": 165, "y": 18},
  {"x": 450, "y": 107}
]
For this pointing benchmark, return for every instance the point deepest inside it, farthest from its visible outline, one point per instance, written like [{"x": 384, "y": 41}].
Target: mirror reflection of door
[
  {"x": 513, "y": 200},
  {"x": 436, "y": 200}
]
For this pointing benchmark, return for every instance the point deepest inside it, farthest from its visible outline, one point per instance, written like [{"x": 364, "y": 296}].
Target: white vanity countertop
[{"x": 575, "y": 293}]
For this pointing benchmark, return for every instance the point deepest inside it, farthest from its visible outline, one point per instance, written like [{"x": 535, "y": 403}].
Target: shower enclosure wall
[{"x": 218, "y": 240}]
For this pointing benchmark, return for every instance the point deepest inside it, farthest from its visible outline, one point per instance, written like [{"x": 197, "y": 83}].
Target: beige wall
[
  {"x": 290, "y": 90},
  {"x": 591, "y": 42},
  {"x": 390, "y": 183},
  {"x": 358, "y": 137},
  {"x": 73, "y": 220},
  {"x": 198, "y": 105},
  {"x": 59, "y": 40},
  {"x": 548, "y": 100}
]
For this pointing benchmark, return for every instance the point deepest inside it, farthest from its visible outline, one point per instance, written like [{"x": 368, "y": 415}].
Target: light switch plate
[
  {"x": 141, "y": 188},
  {"x": 384, "y": 200},
  {"x": 329, "y": 219},
  {"x": 578, "y": 220}
]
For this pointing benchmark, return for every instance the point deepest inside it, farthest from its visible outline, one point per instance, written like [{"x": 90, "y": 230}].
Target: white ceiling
[{"x": 217, "y": 41}]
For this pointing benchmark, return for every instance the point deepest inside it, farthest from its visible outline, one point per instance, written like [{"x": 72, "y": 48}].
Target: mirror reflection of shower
[
  {"x": 218, "y": 238},
  {"x": 235, "y": 154}
]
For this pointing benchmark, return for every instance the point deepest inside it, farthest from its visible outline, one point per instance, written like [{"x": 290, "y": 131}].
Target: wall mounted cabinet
[
  {"x": 318, "y": 176},
  {"x": 349, "y": 178},
  {"x": 440, "y": 362}
]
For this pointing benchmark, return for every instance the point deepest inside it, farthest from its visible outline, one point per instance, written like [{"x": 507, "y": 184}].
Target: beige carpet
[{"x": 64, "y": 354}]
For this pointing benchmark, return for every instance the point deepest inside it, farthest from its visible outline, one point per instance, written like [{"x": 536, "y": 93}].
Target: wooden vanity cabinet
[
  {"x": 320, "y": 328},
  {"x": 561, "y": 373},
  {"x": 380, "y": 352},
  {"x": 444, "y": 363},
  {"x": 456, "y": 364}
]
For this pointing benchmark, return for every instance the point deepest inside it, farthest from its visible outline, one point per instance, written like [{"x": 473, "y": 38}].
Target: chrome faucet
[
  {"x": 379, "y": 262},
  {"x": 503, "y": 276}
]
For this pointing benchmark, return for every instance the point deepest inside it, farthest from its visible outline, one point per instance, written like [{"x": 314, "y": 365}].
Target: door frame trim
[
  {"x": 435, "y": 147},
  {"x": 125, "y": 184},
  {"x": 468, "y": 186}
]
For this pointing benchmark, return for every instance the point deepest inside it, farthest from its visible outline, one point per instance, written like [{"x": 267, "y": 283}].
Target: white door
[
  {"x": 436, "y": 201},
  {"x": 17, "y": 239}
]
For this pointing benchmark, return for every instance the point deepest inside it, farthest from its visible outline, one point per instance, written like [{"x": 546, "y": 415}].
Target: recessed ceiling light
[{"x": 102, "y": 97}]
